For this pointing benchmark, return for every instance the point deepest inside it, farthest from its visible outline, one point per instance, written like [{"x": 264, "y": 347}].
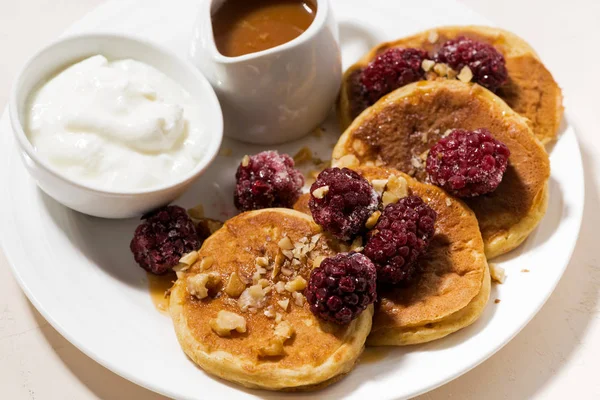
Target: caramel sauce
[
  {"x": 373, "y": 354},
  {"x": 158, "y": 285},
  {"x": 248, "y": 26}
]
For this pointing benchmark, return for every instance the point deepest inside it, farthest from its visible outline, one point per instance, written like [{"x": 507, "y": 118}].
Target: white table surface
[{"x": 556, "y": 356}]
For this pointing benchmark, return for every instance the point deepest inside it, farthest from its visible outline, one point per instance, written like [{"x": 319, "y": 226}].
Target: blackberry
[
  {"x": 485, "y": 62},
  {"x": 342, "y": 287},
  {"x": 265, "y": 180},
  {"x": 392, "y": 69},
  {"x": 341, "y": 202},
  {"x": 401, "y": 235},
  {"x": 163, "y": 238},
  {"x": 467, "y": 163}
]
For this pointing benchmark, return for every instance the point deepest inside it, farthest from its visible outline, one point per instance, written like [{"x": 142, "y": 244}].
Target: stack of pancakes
[{"x": 386, "y": 139}]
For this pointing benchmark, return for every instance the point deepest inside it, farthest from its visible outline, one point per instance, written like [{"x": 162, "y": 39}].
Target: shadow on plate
[
  {"x": 103, "y": 383},
  {"x": 554, "y": 335}
]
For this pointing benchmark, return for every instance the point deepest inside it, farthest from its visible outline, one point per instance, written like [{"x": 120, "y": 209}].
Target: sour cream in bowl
[{"x": 112, "y": 126}]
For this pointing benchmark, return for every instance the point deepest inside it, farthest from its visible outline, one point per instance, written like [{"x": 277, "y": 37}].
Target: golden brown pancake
[
  {"x": 531, "y": 90},
  {"x": 400, "y": 128},
  {"x": 317, "y": 353},
  {"x": 454, "y": 286}
]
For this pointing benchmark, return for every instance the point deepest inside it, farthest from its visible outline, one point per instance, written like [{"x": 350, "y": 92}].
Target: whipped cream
[{"x": 116, "y": 125}]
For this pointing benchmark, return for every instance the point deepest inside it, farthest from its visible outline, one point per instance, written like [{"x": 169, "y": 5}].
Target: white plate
[{"x": 78, "y": 272}]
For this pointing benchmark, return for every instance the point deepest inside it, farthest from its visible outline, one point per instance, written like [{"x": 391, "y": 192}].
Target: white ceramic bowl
[
  {"x": 279, "y": 94},
  {"x": 86, "y": 198}
]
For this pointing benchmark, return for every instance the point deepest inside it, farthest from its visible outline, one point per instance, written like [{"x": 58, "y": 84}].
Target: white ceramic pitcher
[{"x": 279, "y": 94}]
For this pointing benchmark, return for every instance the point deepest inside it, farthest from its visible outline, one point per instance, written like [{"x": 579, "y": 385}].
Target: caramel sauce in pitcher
[{"x": 249, "y": 26}]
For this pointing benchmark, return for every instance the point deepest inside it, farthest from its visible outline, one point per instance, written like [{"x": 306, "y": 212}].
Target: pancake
[
  {"x": 453, "y": 287},
  {"x": 316, "y": 353},
  {"x": 401, "y": 127},
  {"x": 530, "y": 90}
]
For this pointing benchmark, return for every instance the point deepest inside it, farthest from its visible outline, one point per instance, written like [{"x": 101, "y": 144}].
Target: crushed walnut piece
[
  {"x": 448, "y": 202},
  {"x": 284, "y": 304},
  {"x": 426, "y": 65},
  {"x": 199, "y": 285},
  {"x": 226, "y": 322},
  {"x": 189, "y": 258},
  {"x": 379, "y": 185},
  {"x": 206, "y": 263},
  {"x": 497, "y": 273},
  {"x": 357, "y": 244},
  {"x": 298, "y": 298},
  {"x": 235, "y": 286},
  {"x": 441, "y": 69},
  {"x": 321, "y": 192},
  {"x": 347, "y": 161},
  {"x": 465, "y": 74},
  {"x": 396, "y": 188},
  {"x": 285, "y": 244},
  {"x": 253, "y": 298},
  {"x": 295, "y": 285}
]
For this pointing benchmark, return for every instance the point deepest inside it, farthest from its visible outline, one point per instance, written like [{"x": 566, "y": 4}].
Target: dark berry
[
  {"x": 163, "y": 238},
  {"x": 342, "y": 287},
  {"x": 265, "y": 180},
  {"x": 401, "y": 235},
  {"x": 485, "y": 62},
  {"x": 392, "y": 69},
  {"x": 347, "y": 203},
  {"x": 467, "y": 163}
]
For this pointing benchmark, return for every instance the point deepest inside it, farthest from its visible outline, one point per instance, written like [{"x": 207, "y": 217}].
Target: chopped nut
[
  {"x": 423, "y": 155},
  {"x": 416, "y": 162},
  {"x": 447, "y": 132},
  {"x": 235, "y": 286},
  {"x": 273, "y": 349},
  {"x": 396, "y": 189},
  {"x": 465, "y": 74},
  {"x": 427, "y": 65},
  {"x": 270, "y": 312},
  {"x": 317, "y": 261},
  {"x": 357, "y": 244},
  {"x": 252, "y": 297},
  {"x": 448, "y": 202},
  {"x": 497, "y": 273},
  {"x": 295, "y": 285},
  {"x": 226, "y": 322},
  {"x": 189, "y": 258},
  {"x": 441, "y": 69},
  {"x": 379, "y": 185},
  {"x": 424, "y": 137},
  {"x": 284, "y": 304},
  {"x": 359, "y": 147},
  {"x": 308, "y": 322},
  {"x": 372, "y": 221},
  {"x": 278, "y": 317},
  {"x": 262, "y": 261},
  {"x": 198, "y": 285},
  {"x": 433, "y": 37},
  {"x": 298, "y": 298},
  {"x": 321, "y": 192},
  {"x": 196, "y": 212},
  {"x": 179, "y": 268},
  {"x": 347, "y": 161},
  {"x": 285, "y": 244},
  {"x": 280, "y": 287},
  {"x": 287, "y": 271},
  {"x": 206, "y": 263},
  {"x": 303, "y": 155},
  {"x": 284, "y": 330},
  {"x": 245, "y": 161}
]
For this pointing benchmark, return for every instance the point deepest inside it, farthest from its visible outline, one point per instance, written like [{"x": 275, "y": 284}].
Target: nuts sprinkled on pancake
[
  {"x": 199, "y": 285},
  {"x": 226, "y": 322},
  {"x": 395, "y": 189},
  {"x": 497, "y": 273},
  {"x": 344, "y": 207},
  {"x": 235, "y": 286}
]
